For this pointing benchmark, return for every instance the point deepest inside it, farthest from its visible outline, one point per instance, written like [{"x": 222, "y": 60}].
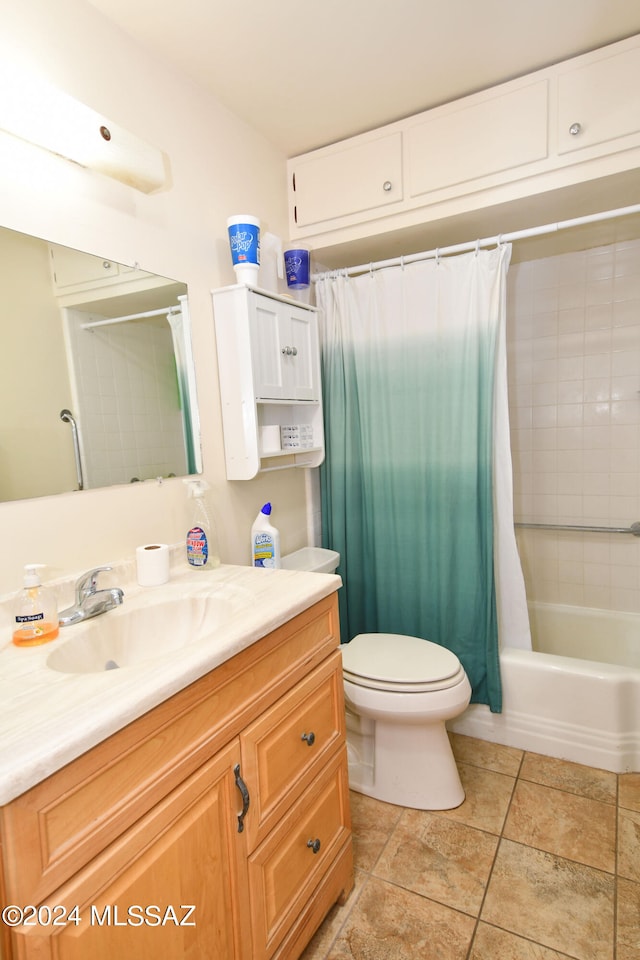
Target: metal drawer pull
[
  {"x": 242, "y": 787},
  {"x": 314, "y": 845},
  {"x": 575, "y": 129},
  {"x": 309, "y": 737},
  {"x": 289, "y": 351}
]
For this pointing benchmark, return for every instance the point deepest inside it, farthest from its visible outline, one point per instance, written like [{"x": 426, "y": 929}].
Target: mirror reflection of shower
[
  {"x": 67, "y": 417},
  {"x": 131, "y": 397}
]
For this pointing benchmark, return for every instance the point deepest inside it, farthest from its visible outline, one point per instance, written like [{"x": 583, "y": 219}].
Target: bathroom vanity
[{"x": 215, "y": 824}]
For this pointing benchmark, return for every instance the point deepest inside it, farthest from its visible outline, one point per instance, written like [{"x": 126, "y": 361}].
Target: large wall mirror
[{"x": 97, "y": 384}]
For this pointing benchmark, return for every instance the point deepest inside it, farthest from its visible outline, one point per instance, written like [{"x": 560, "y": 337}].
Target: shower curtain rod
[
  {"x": 165, "y": 311},
  {"x": 486, "y": 242}
]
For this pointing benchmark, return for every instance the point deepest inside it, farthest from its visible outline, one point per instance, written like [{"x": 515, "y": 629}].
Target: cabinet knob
[
  {"x": 387, "y": 185},
  {"x": 313, "y": 845},
  {"x": 309, "y": 737},
  {"x": 575, "y": 129},
  {"x": 289, "y": 351},
  {"x": 107, "y": 264}
]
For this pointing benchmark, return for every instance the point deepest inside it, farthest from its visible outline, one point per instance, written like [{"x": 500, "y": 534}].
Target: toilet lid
[{"x": 395, "y": 661}]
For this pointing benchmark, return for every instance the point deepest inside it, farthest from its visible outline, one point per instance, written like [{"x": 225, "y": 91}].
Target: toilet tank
[{"x": 313, "y": 559}]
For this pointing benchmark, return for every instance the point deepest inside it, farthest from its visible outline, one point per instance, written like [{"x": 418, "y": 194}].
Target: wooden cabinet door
[
  {"x": 171, "y": 887},
  {"x": 284, "y": 346},
  {"x": 359, "y": 175},
  {"x": 598, "y": 102}
]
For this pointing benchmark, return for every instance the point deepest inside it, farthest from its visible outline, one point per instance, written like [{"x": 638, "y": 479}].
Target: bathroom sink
[{"x": 131, "y": 635}]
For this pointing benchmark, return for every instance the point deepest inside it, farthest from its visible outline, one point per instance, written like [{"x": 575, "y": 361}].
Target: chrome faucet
[{"x": 90, "y": 602}]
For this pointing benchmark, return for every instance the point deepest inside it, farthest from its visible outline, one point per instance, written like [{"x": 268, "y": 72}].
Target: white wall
[{"x": 219, "y": 166}]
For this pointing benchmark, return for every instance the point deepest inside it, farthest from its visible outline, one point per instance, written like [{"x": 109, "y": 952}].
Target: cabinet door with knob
[
  {"x": 346, "y": 179},
  {"x": 598, "y": 100},
  {"x": 284, "y": 350}
]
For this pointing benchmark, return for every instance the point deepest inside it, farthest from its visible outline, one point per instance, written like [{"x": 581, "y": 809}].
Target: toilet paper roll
[
  {"x": 152, "y": 564},
  {"x": 270, "y": 439}
]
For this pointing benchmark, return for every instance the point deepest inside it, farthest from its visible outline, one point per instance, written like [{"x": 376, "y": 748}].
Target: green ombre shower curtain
[{"x": 409, "y": 361}]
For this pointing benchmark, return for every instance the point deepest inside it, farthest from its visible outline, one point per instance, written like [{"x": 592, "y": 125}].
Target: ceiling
[{"x": 307, "y": 74}]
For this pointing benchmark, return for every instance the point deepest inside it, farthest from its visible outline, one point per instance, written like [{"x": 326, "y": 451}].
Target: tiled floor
[{"x": 540, "y": 862}]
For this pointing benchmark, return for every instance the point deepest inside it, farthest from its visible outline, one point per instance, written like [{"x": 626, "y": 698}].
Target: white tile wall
[{"x": 573, "y": 333}]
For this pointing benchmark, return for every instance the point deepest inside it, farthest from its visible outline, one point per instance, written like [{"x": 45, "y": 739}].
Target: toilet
[{"x": 399, "y": 693}]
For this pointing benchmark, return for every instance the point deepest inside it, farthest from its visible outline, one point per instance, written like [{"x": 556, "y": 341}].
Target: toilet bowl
[{"x": 399, "y": 692}]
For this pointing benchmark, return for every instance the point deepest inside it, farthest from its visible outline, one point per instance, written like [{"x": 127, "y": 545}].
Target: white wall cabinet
[
  {"x": 284, "y": 347},
  {"x": 78, "y": 278},
  {"x": 567, "y": 124},
  {"x": 269, "y": 374},
  {"x": 461, "y": 144},
  {"x": 598, "y": 101},
  {"x": 358, "y": 175}
]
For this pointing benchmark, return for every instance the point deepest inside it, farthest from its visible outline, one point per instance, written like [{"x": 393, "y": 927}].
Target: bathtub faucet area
[{"x": 91, "y": 602}]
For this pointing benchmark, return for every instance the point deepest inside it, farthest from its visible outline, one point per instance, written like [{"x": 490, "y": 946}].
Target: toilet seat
[{"x": 400, "y": 663}]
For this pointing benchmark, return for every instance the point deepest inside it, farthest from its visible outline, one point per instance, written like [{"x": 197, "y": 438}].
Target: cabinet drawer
[
  {"x": 288, "y": 746},
  {"x": 55, "y": 828},
  {"x": 292, "y": 861}
]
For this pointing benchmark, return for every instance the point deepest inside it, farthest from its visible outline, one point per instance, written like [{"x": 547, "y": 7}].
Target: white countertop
[{"x": 49, "y": 717}]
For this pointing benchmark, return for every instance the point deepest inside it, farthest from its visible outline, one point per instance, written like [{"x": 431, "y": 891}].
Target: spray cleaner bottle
[
  {"x": 202, "y": 549},
  {"x": 265, "y": 541},
  {"x": 36, "y": 611}
]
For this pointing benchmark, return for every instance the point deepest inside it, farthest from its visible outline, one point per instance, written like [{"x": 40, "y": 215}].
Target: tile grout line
[{"x": 495, "y": 857}]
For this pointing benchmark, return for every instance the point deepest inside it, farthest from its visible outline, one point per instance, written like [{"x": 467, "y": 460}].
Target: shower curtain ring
[
  {"x": 477, "y": 246},
  {"x": 437, "y": 256}
]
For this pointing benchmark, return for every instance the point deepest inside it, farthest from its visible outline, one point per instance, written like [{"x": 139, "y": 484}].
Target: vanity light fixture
[{"x": 34, "y": 110}]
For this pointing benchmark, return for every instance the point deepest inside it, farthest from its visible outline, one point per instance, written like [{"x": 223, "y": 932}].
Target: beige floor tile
[
  {"x": 372, "y": 823},
  {"x": 629, "y": 844},
  {"x": 487, "y": 798},
  {"x": 629, "y": 795},
  {"x": 572, "y": 777},
  {"x": 565, "y": 824},
  {"x": 560, "y": 904},
  {"x": 490, "y": 943},
  {"x": 389, "y": 923},
  {"x": 628, "y": 934},
  {"x": 482, "y": 753},
  {"x": 440, "y": 859}
]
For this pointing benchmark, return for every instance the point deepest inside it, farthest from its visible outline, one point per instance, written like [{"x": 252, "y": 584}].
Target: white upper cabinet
[
  {"x": 284, "y": 349},
  {"x": 565, "y": 125},
  {"x": 353, "y": 177},
  {"x": 269, "y": 375},
  {"x": 480, "y": 136},
  {"x": 599, "y": 102}
]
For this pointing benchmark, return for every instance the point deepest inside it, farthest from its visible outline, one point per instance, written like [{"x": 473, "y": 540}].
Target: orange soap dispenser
[{"x": 36, "y": 611}]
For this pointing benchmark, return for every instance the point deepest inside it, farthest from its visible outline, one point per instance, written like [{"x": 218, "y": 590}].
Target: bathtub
[{"x": 575, "y": 696}]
